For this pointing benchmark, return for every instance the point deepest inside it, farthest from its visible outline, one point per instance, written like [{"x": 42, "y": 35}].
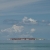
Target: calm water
[{"x": 24, "y": 46}]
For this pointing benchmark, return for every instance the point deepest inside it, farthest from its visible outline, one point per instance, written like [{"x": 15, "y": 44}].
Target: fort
[
  {"x": 22, "y": 38},
  {"x": 25, "y": 39}
]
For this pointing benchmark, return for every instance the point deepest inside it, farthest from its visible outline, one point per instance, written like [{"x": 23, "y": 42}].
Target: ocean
[{"x": 24, "y": 46}]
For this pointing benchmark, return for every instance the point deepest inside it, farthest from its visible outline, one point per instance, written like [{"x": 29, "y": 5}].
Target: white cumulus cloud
[
  {"x": 14, "y": 29},
  {"x": 29, "y": 21}
]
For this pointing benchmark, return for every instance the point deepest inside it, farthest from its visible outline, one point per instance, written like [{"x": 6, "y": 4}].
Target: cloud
[
  {"x": 32, "y": 30},
  {"x": 27, "y": 13},
  {"x": 43, "y": 20},
  {"x": 10, "y": 5},
  {"x": 26, "y": 36},
  {"x": 14, "y": 3},
  {"x": 11, "y": 21},
  {"x": 14, "y": 29},
  {"x": 25, "y": 20},
  {"x": 29, "y": 21},
  {"x": 49, "y": 24}
]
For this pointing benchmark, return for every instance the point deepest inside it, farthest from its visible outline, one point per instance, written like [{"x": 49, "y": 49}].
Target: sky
[{"x": 24, "y": 19}]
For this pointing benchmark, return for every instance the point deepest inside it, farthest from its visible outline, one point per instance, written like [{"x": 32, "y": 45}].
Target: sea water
[{"x": 24, "y": 46}]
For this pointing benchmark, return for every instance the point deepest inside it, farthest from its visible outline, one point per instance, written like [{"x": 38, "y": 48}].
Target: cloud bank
[
  {"x": 6, "y": 4},
  {"x": 14, "y": 29},
  {"x": 18, "y": 31},
  {"x": 26, "y": 21}
]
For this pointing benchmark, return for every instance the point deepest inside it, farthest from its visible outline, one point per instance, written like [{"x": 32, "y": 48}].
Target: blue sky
[{"x": 24, "y": 18}]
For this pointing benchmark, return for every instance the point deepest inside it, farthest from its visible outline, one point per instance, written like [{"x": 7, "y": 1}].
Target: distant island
[{"x": 26, "y": 39}]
